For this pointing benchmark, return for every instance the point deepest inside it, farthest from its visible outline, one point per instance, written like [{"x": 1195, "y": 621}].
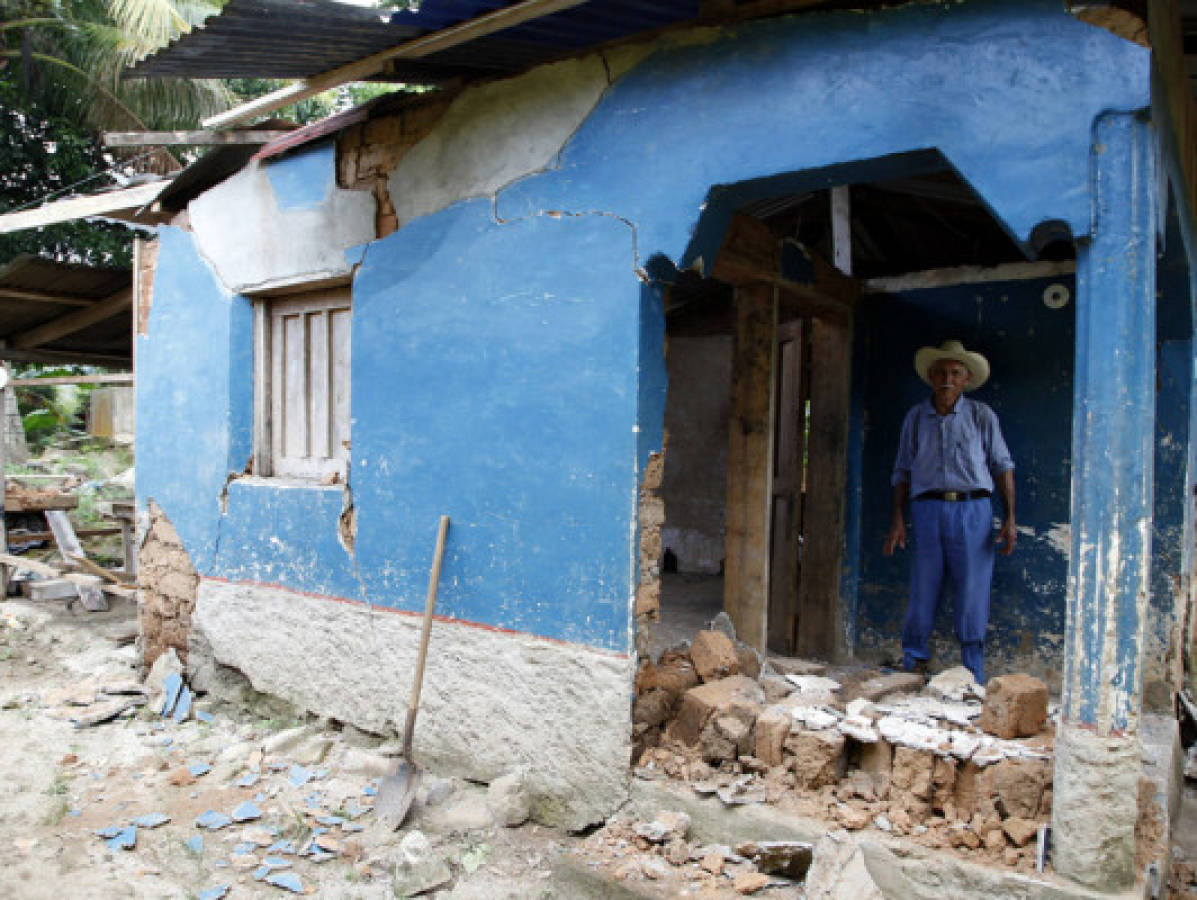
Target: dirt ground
[{"x": 61, "y": 784}]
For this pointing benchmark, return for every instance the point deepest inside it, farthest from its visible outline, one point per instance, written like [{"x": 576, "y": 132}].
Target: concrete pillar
[{"x": 1098, "y": 760}]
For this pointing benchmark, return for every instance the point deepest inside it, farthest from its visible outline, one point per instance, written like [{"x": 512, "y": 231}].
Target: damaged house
[{"x": 631, "y": 297}]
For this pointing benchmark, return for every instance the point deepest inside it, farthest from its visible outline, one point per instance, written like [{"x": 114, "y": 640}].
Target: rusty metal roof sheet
[{"x": 302, "y": 38}]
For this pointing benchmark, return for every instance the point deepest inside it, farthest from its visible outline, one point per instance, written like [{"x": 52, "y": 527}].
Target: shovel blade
[{"x": 395, "y": 795}]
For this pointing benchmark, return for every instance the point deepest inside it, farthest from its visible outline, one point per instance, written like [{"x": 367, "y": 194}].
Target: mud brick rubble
[{"x": 949, "y": 764}]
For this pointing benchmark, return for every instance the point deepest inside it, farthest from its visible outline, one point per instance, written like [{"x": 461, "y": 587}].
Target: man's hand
[
  {"x": 1007, "y": 537},
  {"x": 895, "y": 538}
]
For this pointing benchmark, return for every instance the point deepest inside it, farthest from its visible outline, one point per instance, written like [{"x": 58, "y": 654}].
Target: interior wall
[
  {"x": 696, "y": 417},
  {"x": 1030, "y": 348}
]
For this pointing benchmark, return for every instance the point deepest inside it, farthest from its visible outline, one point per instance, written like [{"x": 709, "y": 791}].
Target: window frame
[{"x": 269, "y": 312}]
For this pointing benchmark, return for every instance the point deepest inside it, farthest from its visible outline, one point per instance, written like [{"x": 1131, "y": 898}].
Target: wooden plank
[
  {"x": 64, "y": 534},
  {"x": 935, "y": 278},
  {"x": 113, "y": 305},
  {"x": 192, "y": 138},
  {"x": 37, "y": 567},
  {"x": 20, "y": 295},
  {"x": 21, "y": 536},
  {"x": 319, "y": 363},
  {"x": 787, "y": 497},
  {"x": 342, "y": 322},
  {"x": 750, "y": 465},
  {"x": 294, "y": 387},
  {"x": 820, "y": 632},
  {"x": 488, "y": 23},
  {"x": 113, "y": 378},
  {"x": 38, "y": 501},
  {"x": 262, "y": 394},
  {"x": 85, "y": 562},
  {"x": 105, "y": 203},
  {"x": 65, "y": 357},
  {"x": 841, "y": 228}
]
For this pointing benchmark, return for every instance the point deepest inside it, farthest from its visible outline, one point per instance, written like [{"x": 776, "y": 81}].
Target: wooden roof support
[
  {"x": 111, "y": 378},
  {"x": 82, "y": 207},
  {"x": 195, "y": 138},
  {"x": 110, "y": 306},
  {"x": 66, "y": 357},
  {"x": 454, "y": 35},
  {"x": 20, "y": 295}
]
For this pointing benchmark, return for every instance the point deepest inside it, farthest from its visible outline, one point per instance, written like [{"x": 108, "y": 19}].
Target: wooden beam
[
  {"x": 66, "y": 357},
  {"x": 464, "y": 32},
  {"x": 18, "y": 295},
  {"x": 819, "y": 611},
  {"x": 195, "y": 138},
  {"x": 935, "y": 278},
  {"x": 750, "y": 465},
  {"x": 82, "y": 207},
  {"x": 841, "y": 228},
  {"x": 110, "y": 306},
  {"x": 110, "y": 378}
]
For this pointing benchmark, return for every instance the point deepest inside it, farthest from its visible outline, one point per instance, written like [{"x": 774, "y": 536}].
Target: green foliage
[
  {"x": 312, "y": 109},
  {"x": 40, "y": 156}
]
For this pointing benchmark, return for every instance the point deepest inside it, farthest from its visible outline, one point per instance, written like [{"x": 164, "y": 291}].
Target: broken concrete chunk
[
  {"x": 1018, "y": 786},
  {"x": 667, "y": 825},
  {"x": 772, "y": 728},
  {"x": 788, "y": 665},
  {"x": 750, "y": 882},
  {"x": 956, "y": 685},
  {"x": 674, "y": 674},
  {"x": 106, "y": 712},
  {"x": 749, "y": 660},
  {"x": 418, "y": 867},
  {"x": 789, "y": 859},
  {"x": 507, "y": 797},
  {"x": 1015, "y": 706},
  {"x": 700, "y": 703},
  {"x": 818, "y": 758},
  {"x": 1020, "y": 831},
  {"x": 714, "y": 656},
  {"x": 882, "y": 686}
]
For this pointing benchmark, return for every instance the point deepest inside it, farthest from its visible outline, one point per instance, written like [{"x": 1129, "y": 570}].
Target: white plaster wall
[
  {"x": 252, "y": 243},
  {"x": 496, "y": 133},
  {"x": 491, "y": 701}
]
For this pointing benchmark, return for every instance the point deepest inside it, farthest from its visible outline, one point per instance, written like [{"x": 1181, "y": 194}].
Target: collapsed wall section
[{"x": 166, "y": 587}]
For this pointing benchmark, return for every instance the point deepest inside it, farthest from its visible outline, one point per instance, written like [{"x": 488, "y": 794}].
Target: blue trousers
[{"x": 953, "y": 539}]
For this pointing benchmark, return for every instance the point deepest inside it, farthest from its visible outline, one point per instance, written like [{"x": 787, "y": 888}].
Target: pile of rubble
[{"x": 949, "y": 764}]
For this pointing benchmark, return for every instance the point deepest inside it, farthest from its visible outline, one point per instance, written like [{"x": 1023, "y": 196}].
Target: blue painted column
[{"x": 1098, "y": 757}]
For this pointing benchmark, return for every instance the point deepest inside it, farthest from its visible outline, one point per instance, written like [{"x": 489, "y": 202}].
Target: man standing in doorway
[{"x": 951, "y": 457}]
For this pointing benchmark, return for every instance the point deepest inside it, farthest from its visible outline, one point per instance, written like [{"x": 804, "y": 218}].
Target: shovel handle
[{"x": 434, "y": 579}]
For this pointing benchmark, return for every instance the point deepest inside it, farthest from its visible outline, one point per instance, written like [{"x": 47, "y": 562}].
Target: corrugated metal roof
[
  {"x": 27, "y": 276},
  {"x": 302, "y": 38}
]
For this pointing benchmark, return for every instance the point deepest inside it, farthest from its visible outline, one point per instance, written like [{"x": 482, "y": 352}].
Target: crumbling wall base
[
  {"x": 1095, "y": 807},
  {"x": 166, "y": 583},
  {"x": 492, "y": 701}
]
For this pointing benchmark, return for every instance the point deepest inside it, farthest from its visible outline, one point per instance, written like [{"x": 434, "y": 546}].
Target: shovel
[{"x": 397, "y": 791}]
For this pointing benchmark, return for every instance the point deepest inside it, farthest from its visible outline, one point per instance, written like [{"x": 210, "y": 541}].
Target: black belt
[{"x": 953, "y": 496}]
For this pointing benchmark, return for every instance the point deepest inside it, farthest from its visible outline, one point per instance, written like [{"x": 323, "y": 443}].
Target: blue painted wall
[
  {"x": 1030, "y": 350},
  {"x": 510, "y": 375}
]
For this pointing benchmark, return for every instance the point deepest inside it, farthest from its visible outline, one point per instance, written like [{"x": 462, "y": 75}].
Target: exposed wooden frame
[
  {"x": 102, "y": 204},
  {"x": 841, "y": 228},
  {"x": 203, "y": 137},
  {"x": 65, "y": 357},
  {"x": 109, "y": 378},
  {"x": 935, "y": 278},
  {"x": 480, "y": 26},
  {"x": 110, "y": 306},
  {"x": 262, "y": 355},
  {"x": 20, "y": 295}
]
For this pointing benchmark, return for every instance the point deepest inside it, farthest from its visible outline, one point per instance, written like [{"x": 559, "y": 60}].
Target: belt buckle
[{"x": 953, "y": 496}]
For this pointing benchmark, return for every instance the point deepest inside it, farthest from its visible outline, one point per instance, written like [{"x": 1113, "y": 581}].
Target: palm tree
[{"x": 69, "y": 54}]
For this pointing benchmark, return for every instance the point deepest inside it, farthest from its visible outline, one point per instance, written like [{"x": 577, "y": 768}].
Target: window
[{"x": 301, "y": 384}]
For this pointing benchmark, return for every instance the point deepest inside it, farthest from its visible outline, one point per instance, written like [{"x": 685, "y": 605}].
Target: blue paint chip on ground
[
  {"x": 212, "y": 820},
  {"x": 298, "y": 776},
  {"x": 282, "y": 847},
  {"x": 245, "y": 847},
  {"x": 319, "y": 856},
  {"x": 370, "y": 790},
  {"x": 199, "y": 768},
  {"x": 276, "y": 862},
  {"x": 74, "y": 813},
  {"x": 215, "y": 893},
  {"x": 248, "y": 780},
  {"x": 246, "y": 812},
  {"x": 109, "y": 832},
  {"x": 286, "y": 880},
  {"x": 151, "y": 820},
  {"x": 171, "y": 687},
  {"x": 183, "y": 705},
  {"x": 261, "y": 872},
  {"x": 204, "y": 716},
  {"x": 124, "y": 839},
  {"x": 331, "y": 821},
  {"x": 352, "y": 826},
  {"x": 195, "y": 844},
  {"x": 312, "y": 802},
  {"x": 259, "y": 797}
]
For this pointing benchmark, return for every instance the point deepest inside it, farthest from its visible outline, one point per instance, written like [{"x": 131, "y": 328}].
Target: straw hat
[{"x": 977, "y": 365}]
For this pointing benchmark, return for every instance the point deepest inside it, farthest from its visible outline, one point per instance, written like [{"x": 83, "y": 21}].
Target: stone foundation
[
  {"x": 492, "y": 701},
  {"x": 166, "y": 586}
]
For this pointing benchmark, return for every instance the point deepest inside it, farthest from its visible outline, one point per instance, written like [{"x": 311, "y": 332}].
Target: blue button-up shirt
[{"x": 961, "y": 451}]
